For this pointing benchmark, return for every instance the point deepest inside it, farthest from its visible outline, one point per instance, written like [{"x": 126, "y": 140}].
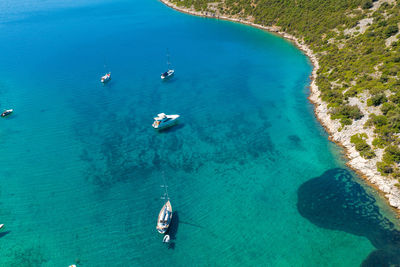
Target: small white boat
[
  {"x": 73, "y": 265},
  {"x": 7, "y": 112},
  {"x": 162, "y": 121},
  {"x": 166, "y": 239},
  {"x": 1, "y": 226},
  {"x": 167, "y": 74},
  {"x": 164, "y": 218},
  {"x": 106, "y": 78}
]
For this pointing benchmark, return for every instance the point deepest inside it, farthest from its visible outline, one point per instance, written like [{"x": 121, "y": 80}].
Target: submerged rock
[{"x": 335, "y": 201}]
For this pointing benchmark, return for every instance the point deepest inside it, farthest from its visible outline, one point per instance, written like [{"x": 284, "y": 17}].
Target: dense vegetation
[
  {"x": 350, "y": 39},
  {"x": 361, "y": 145},
  {"x": 346, "y": 114}
]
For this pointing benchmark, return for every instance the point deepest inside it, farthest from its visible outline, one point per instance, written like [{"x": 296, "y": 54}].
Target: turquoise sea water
[{"x": 252, "y": 177}]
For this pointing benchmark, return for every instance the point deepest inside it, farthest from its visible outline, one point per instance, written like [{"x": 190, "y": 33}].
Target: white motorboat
[
  {"x": 164, "y": 218},
  {"x": 162, "y": 121},
  {"x": 106, "y": 77},
  {"x": 1, "y": 226},
  {"x": 7, "y": 112}
]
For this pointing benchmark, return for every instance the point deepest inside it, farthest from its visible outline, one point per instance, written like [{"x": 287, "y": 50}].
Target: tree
[
  {"x": 366, "y": 4},
  {"x": 376, "y": 100},
  {"x": 391, "y": 30}
]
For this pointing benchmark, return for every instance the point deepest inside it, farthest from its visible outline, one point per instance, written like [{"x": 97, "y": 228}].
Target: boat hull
[
  {"x": 167, "y": 74},
  {"x": 6, "y": 113},
  {"x": 166, "y": 125},
  {"x": 163, "y": 125},
  {"x": 164, "y": 218},
  {"x": 106, "y": 78}
]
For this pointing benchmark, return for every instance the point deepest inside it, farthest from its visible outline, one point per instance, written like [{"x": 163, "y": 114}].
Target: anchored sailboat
[
  {"x": 7, "y": 112},
  {"x": 170, "y": 72},
  {"x": 164, "y": 218},
  {"x": 165, "y": 215},
  {"x": 106, "y": 78}
]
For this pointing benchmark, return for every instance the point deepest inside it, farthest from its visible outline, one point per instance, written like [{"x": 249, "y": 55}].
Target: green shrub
[
  {"x": 361, "y": 145},
  {"x": 382, "y": 23},
  {"x": 347, "y": 112},
  {"x": 378, "y": 142},
  {"x": 392, "y": 154},
  {"x": 395, "y": 98},
  {"x": 351, "y": 92},
  {"x": 376, "y": 100},
  {"x": 394, "y": 119},
  {"x": 368, "y": 154},
  {"x": 332, "y": 96},
  {"x": 346, "y": 121},
  {"x": 391, "y": 30},
  {"x": 384, "y": 168},
  {"x": 384, "y": 79},
  {"x": 367, "y": 4},
  {"x": 378, "y": 120},
  {"x": 386, "y": 107}
]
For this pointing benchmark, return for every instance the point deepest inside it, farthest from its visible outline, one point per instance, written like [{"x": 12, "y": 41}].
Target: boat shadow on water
[
  {"x": 336, "y": 201},
  {"x": 172, "y": 79},
  {"x": 173, "y": 229},
  {"x": 174, "y": 226},
  {"x": 2, "y": 234},
  {"x": 10, "y": 117},
  {"x": 173, "y": 128},
  {"x": 109, "y": 85}
]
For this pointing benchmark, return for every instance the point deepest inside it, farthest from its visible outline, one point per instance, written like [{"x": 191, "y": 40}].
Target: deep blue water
[{"x": 82, "y": 167}]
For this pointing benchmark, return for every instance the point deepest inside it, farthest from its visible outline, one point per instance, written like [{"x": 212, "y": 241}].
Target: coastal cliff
[{"x": 354, "y": 99}]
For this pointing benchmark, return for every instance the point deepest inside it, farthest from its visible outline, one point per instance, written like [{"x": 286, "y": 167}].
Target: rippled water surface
[{"x": 252, "y": 178}]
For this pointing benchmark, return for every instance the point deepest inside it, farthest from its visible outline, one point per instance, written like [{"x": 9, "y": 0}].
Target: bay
[{"x": 252, "y": 177}]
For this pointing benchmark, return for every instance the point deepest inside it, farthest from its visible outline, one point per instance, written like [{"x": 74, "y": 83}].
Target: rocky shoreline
[{"x": 366, "y": 168}]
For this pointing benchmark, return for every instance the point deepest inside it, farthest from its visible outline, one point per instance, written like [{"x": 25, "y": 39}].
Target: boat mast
[
  {"x": 168, "y": 63},
  {"x": 165, "y": 186}
]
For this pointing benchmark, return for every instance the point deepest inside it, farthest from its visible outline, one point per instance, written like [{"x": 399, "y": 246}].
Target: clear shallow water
[{"x": 250, "y": 171}]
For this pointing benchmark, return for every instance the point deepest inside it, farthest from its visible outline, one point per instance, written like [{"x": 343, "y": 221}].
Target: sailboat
[
  {"x": 164, "y": 218},
  {"x": 170, "y": 72},
  {"x": 7, "y": 112},
  {"x": 165, "y": 215},
  {"x": 106, "y": 78}
]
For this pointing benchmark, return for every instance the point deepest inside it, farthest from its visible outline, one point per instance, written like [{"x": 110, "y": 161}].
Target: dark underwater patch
[
  {"x": 28, "y": 256},
  {"x": 116, "y": 150},
  {"x": 4, "y": 233},
  {"x": 295, "y": 142},
  {"x": 335, "y": 201},
  {"x": 173, "y": 230}
]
